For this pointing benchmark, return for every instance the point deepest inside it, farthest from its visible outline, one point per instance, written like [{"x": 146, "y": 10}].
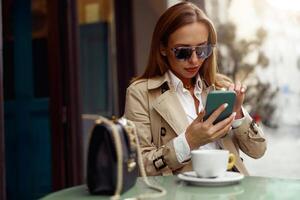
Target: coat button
[{"x": 163, "y": 131}]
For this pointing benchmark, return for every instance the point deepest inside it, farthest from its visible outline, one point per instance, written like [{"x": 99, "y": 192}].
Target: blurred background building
[{"x": 61, "y": 60}]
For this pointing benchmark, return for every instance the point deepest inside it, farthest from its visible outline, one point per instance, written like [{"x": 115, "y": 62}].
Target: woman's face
[{"x": 190, "y": 35}]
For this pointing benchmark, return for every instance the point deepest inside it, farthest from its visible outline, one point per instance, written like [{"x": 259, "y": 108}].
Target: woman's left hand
[{"x": 240, "y": 91}]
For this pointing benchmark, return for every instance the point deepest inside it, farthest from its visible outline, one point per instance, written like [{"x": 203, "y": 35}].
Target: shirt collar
[
  {"x": 177, "y": 83},
  {"x": 174, "y": 80}
]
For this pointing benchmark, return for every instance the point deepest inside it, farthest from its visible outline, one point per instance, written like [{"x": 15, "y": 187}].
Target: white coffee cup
[{"x": 212, "y": 163}]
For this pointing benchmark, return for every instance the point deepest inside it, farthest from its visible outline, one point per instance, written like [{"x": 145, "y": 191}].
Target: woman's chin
[{"x": 191, "y": 74}]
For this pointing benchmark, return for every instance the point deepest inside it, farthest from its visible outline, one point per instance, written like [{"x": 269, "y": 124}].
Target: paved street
[{"x": 282, "y": 158}]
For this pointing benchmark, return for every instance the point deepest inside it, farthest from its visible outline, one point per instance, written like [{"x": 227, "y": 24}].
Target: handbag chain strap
[{"x": 161, "y": 191}]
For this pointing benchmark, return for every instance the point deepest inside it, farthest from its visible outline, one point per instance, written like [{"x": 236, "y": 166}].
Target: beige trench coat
[{"x": 159, "y": 118}]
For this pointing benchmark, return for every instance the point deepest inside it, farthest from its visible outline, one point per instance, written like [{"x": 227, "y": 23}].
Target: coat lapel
[{"x": 170, "y": 109}]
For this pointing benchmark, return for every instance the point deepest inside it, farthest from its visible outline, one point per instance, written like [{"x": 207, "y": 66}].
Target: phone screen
[{"x": 215, "y": 99}]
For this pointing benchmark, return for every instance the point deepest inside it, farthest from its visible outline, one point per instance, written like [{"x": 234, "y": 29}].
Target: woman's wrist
[
  {"x": 190, "y": 140},
  {"x": 239, "y": 114}
]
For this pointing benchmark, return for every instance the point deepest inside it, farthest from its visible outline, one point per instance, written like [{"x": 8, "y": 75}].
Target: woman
[{"x": 166, "y": 102}]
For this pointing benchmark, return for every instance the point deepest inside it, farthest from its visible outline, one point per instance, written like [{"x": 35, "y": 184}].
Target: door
[
  {"x": 2, "y": 163},
  {"x": 26, "y": 88}
]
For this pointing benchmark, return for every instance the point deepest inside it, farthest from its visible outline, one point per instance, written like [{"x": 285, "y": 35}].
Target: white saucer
[{"x": 228, "y": 179}]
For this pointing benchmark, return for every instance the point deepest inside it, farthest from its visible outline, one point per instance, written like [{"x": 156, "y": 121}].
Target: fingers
[
  {"x": 225, "y": 122},
  {"x": 243, "y": 89},
  {"x": 200, "y": 116},
  {"x": 231, "y": 87},
  {"x": 239, "y": 88},
  {"x": 216, "y": 113},
  {"x": 222, "y": 132}
]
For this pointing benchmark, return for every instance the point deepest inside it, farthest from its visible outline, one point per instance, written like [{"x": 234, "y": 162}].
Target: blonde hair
[{"x": 173, "y": 18}]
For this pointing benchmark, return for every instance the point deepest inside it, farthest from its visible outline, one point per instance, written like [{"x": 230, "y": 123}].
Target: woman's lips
[{"x": 192, "y": 69}]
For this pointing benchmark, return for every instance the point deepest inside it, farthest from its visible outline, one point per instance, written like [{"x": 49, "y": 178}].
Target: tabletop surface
[{"x": 250, "y": 187}]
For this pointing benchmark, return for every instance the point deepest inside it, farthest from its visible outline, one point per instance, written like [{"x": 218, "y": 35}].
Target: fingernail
[
  {"x": 225, "y": 105},
  {"x": 243, "y": 90},
  {"x": 230, "y": 128},
  {"x": 233, "y": 114}
]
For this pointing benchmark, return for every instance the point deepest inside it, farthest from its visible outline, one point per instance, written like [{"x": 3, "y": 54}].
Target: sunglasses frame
[{"x": 193, "y": 48}]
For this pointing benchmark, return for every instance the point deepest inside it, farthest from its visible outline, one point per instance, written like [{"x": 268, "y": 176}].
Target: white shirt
[{"x": 181, "y": 146}]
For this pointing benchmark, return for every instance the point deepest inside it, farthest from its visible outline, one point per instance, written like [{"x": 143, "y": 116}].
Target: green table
[{"x": 252, "y": 188}]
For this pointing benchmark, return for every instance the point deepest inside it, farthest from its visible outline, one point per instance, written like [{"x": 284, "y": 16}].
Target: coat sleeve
[
  {"x": 157, "y": 160},
  {"x": 250, "y": 138}
]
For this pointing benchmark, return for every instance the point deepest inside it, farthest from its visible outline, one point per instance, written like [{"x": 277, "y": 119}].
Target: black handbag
[
  {"x": 111, "y": 149},
  {"x": 114, "y": 158}
]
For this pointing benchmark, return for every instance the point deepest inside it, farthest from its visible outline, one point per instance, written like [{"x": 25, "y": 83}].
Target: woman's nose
[{"x": 194, "y": 59}]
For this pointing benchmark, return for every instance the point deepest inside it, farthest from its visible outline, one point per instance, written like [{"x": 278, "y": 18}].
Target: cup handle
[{"x": 231, "y": 161}]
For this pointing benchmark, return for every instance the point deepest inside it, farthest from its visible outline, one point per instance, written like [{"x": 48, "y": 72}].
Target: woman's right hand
[{"x": 201, "y": 132}]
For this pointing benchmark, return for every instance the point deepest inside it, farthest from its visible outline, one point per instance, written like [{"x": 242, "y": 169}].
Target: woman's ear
[{"x": 162, "y": 50}]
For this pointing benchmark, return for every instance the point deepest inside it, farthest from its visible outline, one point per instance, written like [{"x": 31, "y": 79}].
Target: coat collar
[
  {"x": 170, "y": 109},
  {"x": 157, "y": 81},
  {"x": 167, "y": 104}
]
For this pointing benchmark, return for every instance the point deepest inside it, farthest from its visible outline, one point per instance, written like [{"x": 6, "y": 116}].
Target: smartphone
[{"x": 215, "y": 99}]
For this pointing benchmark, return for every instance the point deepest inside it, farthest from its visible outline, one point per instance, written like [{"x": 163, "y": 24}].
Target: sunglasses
[{"x": 185, "y": 53}]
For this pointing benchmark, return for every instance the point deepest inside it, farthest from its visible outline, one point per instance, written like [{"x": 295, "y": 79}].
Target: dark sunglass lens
[
  {"x": 203, "y": 51},
  {"x": 183, "y": 53}
]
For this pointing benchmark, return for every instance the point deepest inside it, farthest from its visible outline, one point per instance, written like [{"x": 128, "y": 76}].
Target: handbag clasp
[{"x": 131, "y": 164}]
